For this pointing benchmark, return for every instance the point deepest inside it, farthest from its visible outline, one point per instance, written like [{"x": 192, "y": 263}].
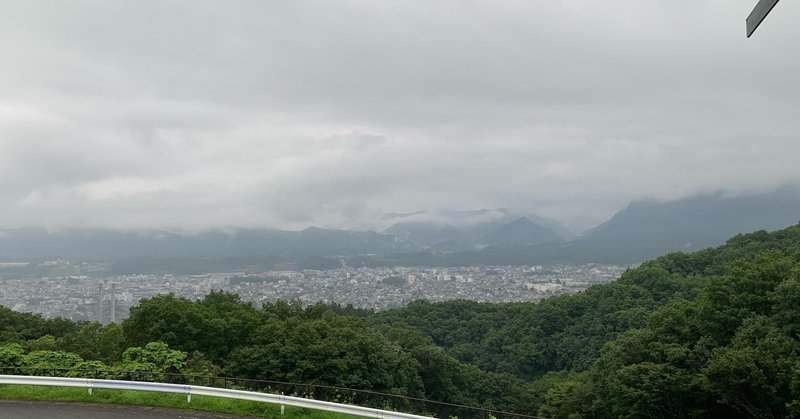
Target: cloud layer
[{"x": 195, "y": 114}]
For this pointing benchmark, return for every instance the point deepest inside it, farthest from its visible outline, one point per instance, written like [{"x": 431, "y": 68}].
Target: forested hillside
[{"x": 714, "y": 333}]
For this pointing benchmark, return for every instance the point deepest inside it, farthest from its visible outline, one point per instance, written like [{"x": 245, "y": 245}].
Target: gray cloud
[{"x": 192, "y": 114}]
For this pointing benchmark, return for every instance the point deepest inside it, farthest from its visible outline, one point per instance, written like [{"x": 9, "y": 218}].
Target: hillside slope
[{"x": 714, "y": 333}]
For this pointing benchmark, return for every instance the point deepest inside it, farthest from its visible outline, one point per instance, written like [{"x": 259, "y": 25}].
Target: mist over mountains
[
  {"x": 644, "y": 229},
  {"x": 701, "y": 220},
  {"x": 477, "y": 229},
  {"x": 96, "y": 244}
]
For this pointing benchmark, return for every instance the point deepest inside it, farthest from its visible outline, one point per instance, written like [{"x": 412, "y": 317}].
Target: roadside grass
[{"x": 147, "y": 398}]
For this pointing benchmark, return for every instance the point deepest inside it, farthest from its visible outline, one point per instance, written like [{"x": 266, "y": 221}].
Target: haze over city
[{"x": 185, "y": 115}]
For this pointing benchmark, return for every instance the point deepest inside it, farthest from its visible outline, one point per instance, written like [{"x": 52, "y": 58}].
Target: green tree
[
  {"x": 96, "y": 342},
  {"x": 176, "y": 321},
  {"x": 755, "y": 374},
  {"x": 157, "y": 354},
  {"x": 43, "y": 343},
  {"x": 12, "y": 355},
  {"x": 50, "y": 362}
]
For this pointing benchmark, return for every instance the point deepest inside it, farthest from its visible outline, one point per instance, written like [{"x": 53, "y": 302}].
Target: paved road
[{"x": 13, "y": 409}]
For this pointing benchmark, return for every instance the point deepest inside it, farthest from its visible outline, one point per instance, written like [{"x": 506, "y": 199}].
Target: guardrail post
[
  {"x": 89, "y": 386},
  {"x": 283, "y": 407},
  {"x": 188, "y": 394}
]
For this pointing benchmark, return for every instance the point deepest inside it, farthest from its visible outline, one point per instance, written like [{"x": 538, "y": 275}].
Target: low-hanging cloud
[{"x": 195, "y": 114}]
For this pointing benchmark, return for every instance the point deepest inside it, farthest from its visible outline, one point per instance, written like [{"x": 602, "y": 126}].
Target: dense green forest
[{"x": 714, "y": 333}]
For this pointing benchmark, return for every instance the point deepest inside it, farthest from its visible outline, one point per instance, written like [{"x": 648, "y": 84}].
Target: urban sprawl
[{"x": 77, "y": 296}]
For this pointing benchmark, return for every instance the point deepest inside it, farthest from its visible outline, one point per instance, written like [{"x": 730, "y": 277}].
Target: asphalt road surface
[{"x": 14, "y": 409}]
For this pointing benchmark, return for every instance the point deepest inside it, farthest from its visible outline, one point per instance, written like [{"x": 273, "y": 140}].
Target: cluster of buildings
[{"x": 108, "y": 299}]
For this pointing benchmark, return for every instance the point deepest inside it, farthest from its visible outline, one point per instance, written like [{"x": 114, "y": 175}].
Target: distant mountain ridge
[
  {"x": 699, "y": 221},
  {"x": 448, "y": 230},
  {"x": 426, "y": 234},
  {"x": 98, "y": 244},
  {"x": 520, "y": 232},
  {"x": 643, "y": 230}
]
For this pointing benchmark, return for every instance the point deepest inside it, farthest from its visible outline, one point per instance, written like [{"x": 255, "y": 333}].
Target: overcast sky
[{"x": 196, "y": 114}]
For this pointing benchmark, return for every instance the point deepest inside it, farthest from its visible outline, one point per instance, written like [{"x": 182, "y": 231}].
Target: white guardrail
[{"x": 189, "y": 391}]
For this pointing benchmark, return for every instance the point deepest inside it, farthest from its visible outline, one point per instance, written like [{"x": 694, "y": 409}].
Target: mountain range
[
  {"x": 97, "y": 244},
  {"x": 644, "y": 229}
]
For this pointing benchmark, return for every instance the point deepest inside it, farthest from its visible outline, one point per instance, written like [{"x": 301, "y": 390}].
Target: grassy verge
[{"x": 147, "y": 398}]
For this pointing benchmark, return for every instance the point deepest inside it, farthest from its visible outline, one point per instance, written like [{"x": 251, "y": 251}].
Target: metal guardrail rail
[
  {"x": 191, "y": 390},
  {"x": 342, "y": 395}
]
